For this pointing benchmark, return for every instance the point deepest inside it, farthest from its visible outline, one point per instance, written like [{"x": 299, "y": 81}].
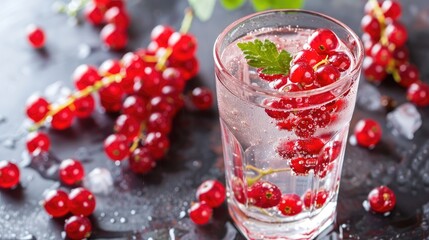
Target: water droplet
[
  {"x": 185, "y": 204},
  {"x": 182, "y": 214},
  {"x": 112, "y": 220},
  {"x": 366, "y": 205},
  {"x": 171, "y": 233},
  {"x": 9, "y": 143},
  {"x": 102, "y": 214},
  {"x": 115, "y": 214},
  {"x": 118, "y": 163},
  {"x": 122, "y": 220},
  {"x": 84, "y": 51},
  {"x": 149, "y": 218},
  {"x": 176, "y": 189},
  {"x": 352, "y": 140},
  {"x": 196, "y": 164},
  {"x": 133, "y": 212}
]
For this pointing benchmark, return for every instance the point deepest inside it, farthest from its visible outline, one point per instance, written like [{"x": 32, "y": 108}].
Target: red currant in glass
[
  {"x": 71, "y": 172},
  {"x": 93, "y": 13},
  {"x": 135, "y": 106},
  {"x": 339, "y": 60},
  {"x": 381, "y": 54},
  {"x": 391, "y": 9},
  {"x": 202, "y": 98},
  {"x": 127, "y": 126},
  {"x": 84, "y": 76},
  {"x": 268, "y": 77},
  {"x": 264, "y": 194},
  {"x": 305, "y": 127},
  {"x": 373, "y": 71},
  {"x": 408, "y": 74},
  {"x": 183, "y": 46},
  {"x": 9, "y": 174},
  {"x": 212, "y": 192},
  {"x": 327, "y": 74},
  {"x": 109, "y": 67},
  {"x": 113, "y": 37},
  {"x": 323, "y": 41},
  {"x": 78, "y": 228},
  {"x": 290, "y": 205},
  {"x": 368, "y": 133},
  {"x": 302, "y": 165},
  {"x": 321, "y": 197},
  {"x": 157, "y": 143},
  {"x": 238, "y": 190},
  {"x": 382, "y": 199},
  {"x": 200, "y": 213},
  {"x": 35, "y": 36},
  {"x": 302, "y": 73},
  {"x": 36, "y": 108},
  {"x": 118, "y": 17},
  {"x": 418, "y": 93},
  {"x": 84, "y": 106},
  {"x": 38, "y": 141},
  {"x": 160, "y": 34},
  {"x": 308, "y": 199},
  {"x": 56, "y": 203},
  {"x": 371, "y": 26},
  {"x": 309, "y": 56},
  {"x": 63, "y": 119},
  {"x": 116, "y": 147},
  {"x": 141, "y": 161},
  {"x": 82, "y": 202}
]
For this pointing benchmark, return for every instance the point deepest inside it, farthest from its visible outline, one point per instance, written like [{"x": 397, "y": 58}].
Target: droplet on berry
[
  {"x": 264, "y": 194},
  {"x": 290, "y": 205},
  {"x": 200, "y": 213},
  {"x": 212, "y": 192},
  {"x": 78, "y": 228},
  {"x": 35, "y": 36},
  {"x": 368, "y": 133},
  {"x": 38, "y": 141},
  {"x": 56, "y": 203},
  {"x": 9, "y": 174},
  {"x": 323, "y": 41},
  {"x": 71, "y": 171},
  {"x": 382, "y": 199},
  {"x": 82, "y": 202}
]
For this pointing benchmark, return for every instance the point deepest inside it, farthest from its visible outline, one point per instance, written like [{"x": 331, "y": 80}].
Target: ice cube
[
  {"x": 404, "y": 120},
  {"x": 369, "y": 98},
  {"x": 99, "y": 181},
  {"x": 57, "y": 92}
]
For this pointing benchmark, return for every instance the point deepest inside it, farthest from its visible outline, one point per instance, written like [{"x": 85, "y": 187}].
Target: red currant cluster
[
  {"x": 210, "y": 194},
  {"x": 80, "y": 202},
  {"x": 386, "y": 53}
]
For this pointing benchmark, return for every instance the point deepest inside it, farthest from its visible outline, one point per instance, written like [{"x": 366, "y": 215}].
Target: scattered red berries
[
  {"x": 212, "y": 192},
  {"x": 200, "y": 213},
  {"x": 38, "y": 141},
  {"x": 35, "y": 36},
  {"x": 78, "y": 227},
  {"x": 56, "y": 203},
  {"x": 71, "y": 172},
  {"x": 368, "y": 133},
  {"x": 202, "y": 98},
  {"x": 382, "y": 199},
  {"x": 9, "y": 174},
  {"x": 82, "y": 202}
]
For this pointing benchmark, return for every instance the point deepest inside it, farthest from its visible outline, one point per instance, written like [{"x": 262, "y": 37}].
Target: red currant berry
[
  {"x": 135, "y": 106},
  {"x": 141, "y": 161},
  {"x": 160, "y": 34},
  {"x": 84, "y": 106},
  {"x": 188, "y": 68},
  {"x": 290, "y": 205},
  {"x": 401, "y": 55},
  {"x": 275, "y": 107},
  {"x": 127, "y": 126},
  {"x": 158, "y": 122},
  {"x": 38, "y": 141},
  {"x": 408, "y": 74},
  {"x": 183, "y": 46},
  {"x": 382, "y": 199},
  {"x": 321, "y": 197},
  {"x": 200, "y": 213},
  {"x": 367, "y": 132},
  {"x": 321, "y": 117},
  {"x": 309, "y": 146},
  {"x": 371, "y": 26},
  {"x": 111, "y": 97},
  {"x": 305, "y": 127},
  {"x": 371, "y": 5},
  {"x": 238, "y": 190},
  {"x": 396, "y": 33},
  {"x": 339, "y": 60},
  {"x": 327, "y": 74},
  {"x": 78, "y": 228},
  {"x": 381, "y": 54},
  {"x": 9, "y": 174},
  {"x": 113, "y": 37},
  {"x": 302, "y": 73},
  {"x": 212, "y": 192},
  {"x": 309, "y": 56},
  {"x": 268, "y": 77},
  {"x": 308, "y": 199},
  {"x": 94, "y": 14},
  {"x": 151, "y": 82},
  {"x": 82, "y": 202},
  {"x": 85, "y": 76},
  {"x": 323, "y": 41},
  {"x": 116, "y": 147},
  {"x": 118, "y": 17},
  {"x": 109, "y": 67},
  {"x": 264, "y": 194},
  {"x": 71, "y": 172},
  {"x": 302, "y": 165},
  {"x": 330, "y": 153},
  {"x": 157, "y": 143},
  {"x": 134, "y": 65},
  {"x": 56, "y": 203},
  {"x": 418, "y": 93},
  {"x": 35, "y": 36},
  {"x": 202, "y": 98},
  {"x": 163, "y": 105},
  {"x": 173, "y": 77},
  {"x": 373, "y": 71},
  {"x": 115, "y": 3},
  {"x": 36, "y": 108},
  {"x": 63, "y": 119},
  {"x": 101, "y": 3},
  {"x": 391, "y": 9}
]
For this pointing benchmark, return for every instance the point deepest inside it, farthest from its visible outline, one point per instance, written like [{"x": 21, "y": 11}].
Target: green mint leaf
[
  {"x": 266, "y": 56},
  {"x": 261, "y": 5},
  {"x": 232, "y": 4},
  {"x": 287, "y": 3},
  {"x": 203, "y": 9}
]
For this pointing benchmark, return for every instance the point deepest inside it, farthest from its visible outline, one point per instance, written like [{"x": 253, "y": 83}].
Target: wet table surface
[{"x": 154, "y": 206}]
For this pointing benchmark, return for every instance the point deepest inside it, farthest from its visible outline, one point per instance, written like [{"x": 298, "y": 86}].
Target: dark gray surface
[{"x": 154, "y": 205}]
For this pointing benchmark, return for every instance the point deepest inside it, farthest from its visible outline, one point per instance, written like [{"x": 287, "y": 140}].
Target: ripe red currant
[
  {"x": 93, "y": 13},
  {"x": 200, "y": 213},
  {"x": 78, "y": 228},
  {"x": 309, "y": 56},
  {"x": 373, "y": 71},
  {"x": 38, "y": 141},
  {"x": 158, "y": 122},
  {"x": 212, "y": 192},
  {"x": 321, "y": 197},
  {"x": 71, "y": 171},
  {"x": 111, "y": 97},
  {"x": 418, "y": 93},
  {"x": 339, "y": 60},
  {"x": 157, "y": 143},
  {"x": 84, "y": 76},
  {"x": 56, "y": 203},
  {"x": 183, "y": 46},
  {"x": 327, "y": 74},
  {"x": 396, "y": 33},
  {"x": 290, "y": 205},
  {"x": 173, "y": 77},
  {"x": 82, "y": 202},
  {"x": 408, "y": 74},
  {"x": 305, "y": 127},
  {"x": 135, "y": 106},
  {"x": 116, "y": 147},
  {"x": 63, "y": 119},
  {"x": 164, "y": 105},
  {"x": 109, "y": 67},
  {"x": 381, "y": 54},
  {"x": 127, "y": 126},
  {"x": 188, "y": 68},
  {"x": 302, "y": 73},
  {"x": 141, "y": 161},
  {"x": 84, "y": 106},
  {"x": 160, "y": 34},
  {"x": 113, "y": 37},
  {"x": 371, "y": 26},
  {"x": 323, "y": 41},
  {"x": 238, "y": 189},
  {"x": 401, "y": 55},
  {"x": 391, "y": 9},
  {"x": 264, "y": 194},
  {"x": 382, "y": 199},
  {"x": 9, "y": 174},
  {"x": 35, "y": 36},
  {"x": 37, "y": 107},
  {"x": 367, "y": 132},
  {"x": 118, "y": 17},
  {"x": 301, "y": 147},
  {"x": 202, "y": 98},
  {"x": 302, "y": 165}
]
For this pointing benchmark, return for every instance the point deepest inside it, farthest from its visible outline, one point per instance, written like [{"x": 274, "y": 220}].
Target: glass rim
[{"x": 273, "y": 92}]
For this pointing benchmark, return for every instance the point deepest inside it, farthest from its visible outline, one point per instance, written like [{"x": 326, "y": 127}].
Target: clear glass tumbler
[{"x": 283, "y": 150}]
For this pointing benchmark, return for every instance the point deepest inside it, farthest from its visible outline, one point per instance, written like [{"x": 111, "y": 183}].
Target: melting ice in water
[
  {"x": 99, "y": 181},
  {"x": 369, "y": 98},
  {"x": 404, "y": 120}
]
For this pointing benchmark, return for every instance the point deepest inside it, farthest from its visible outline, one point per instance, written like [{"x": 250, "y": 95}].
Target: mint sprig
[{"x": 265, "y": 55}]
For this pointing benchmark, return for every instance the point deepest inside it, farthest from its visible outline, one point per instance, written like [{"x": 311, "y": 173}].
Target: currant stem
[
  {"x": 160, "y": 66},
  {"x": 382, "y": 20},
  {"x": 187, "y": 21},
  {"x": 137, "y": 139},
  {"x": 323, "y": 62},
  {"x": 262, "y": 173}
]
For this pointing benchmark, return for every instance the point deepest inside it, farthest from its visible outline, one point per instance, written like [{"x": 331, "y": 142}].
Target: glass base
[{"x": 308, "y": 228}]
